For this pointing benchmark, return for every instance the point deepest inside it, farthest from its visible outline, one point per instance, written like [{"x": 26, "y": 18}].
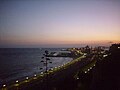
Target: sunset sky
[{"x": 59, "y": 23}]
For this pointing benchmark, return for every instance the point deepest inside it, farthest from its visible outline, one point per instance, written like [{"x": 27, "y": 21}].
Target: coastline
[{"x": 57, "y": 73}]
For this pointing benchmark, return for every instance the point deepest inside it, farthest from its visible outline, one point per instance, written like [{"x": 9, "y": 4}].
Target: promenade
[{"x": 60, "y": 77}]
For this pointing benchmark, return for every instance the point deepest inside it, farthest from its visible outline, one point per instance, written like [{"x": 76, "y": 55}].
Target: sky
[{"x": 59, "y": 23}]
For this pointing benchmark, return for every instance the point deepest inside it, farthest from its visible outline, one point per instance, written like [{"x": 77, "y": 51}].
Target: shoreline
[{"x": 41, "y": 77}]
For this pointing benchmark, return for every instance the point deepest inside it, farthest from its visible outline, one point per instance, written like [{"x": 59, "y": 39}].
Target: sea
[{"x": 18, "y": 63}]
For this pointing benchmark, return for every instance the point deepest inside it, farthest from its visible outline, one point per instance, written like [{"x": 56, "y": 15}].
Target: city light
[
  {"x": 88, "y": 69},
  {"x": 41, "y": 72},
  {"x": 105, "y": 55},
  {"x": 26, "y": 77},
  {"x": 51, "y": 68},
  {"x": 34, "y": 75},
  {"x": 118, "y": 47},
  {"x": 78, "y": 51},
  {"x": 4, "y": 85},
  {"x": 17, "y": 81}
]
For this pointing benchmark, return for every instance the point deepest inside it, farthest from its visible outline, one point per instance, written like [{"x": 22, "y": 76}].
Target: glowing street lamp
[
  {"x": 17, "y": 84},
  {"x": 88, "y": 69},
  {"x": 105, "y": 55},
  {"x": 85, "y": 71},
  {"x": 16, "y": 81},
  {"x": 35, "y": 75},
  {"x": 4, "y": 85},
  {"x": 51, "y": 68},
  {"x": 27, "y": 78},
  {"x": 77, "y": 78},
  {"x": 41, "y": 72}
]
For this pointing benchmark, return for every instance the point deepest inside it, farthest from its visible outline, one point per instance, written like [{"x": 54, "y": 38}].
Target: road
[{"x": 55, "y": 78}]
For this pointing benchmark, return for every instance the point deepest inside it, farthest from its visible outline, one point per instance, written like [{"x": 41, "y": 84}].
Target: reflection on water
[{"x": 16, "y": 63}]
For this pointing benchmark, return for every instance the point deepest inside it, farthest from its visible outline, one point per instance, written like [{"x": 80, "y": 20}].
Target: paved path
[{"x": 62, "y": 77}]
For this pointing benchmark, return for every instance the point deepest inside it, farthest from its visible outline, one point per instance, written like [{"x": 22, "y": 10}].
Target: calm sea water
[{"x": 16, "y": 63}]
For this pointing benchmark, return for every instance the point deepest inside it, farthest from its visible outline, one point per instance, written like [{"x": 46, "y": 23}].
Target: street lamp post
[{"x": 45, "y": 61}]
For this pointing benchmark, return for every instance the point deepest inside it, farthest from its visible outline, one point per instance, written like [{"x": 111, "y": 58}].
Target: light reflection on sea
[{"x": 16, "y": 63}]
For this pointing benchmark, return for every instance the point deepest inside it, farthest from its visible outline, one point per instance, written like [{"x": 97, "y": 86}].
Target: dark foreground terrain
[{"x": 106, "y": 75}]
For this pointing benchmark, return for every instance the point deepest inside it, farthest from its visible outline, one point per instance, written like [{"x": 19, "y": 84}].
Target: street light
[
  {"x": 41, "y": 73},
  {"x": 51, "y": 68},
  {"x": 4, "y": 85},
  {"x": 77, "y": 78},
  {"x": 105, "y": 55},
  {"x": 17, "y": 84},
  {"x": 45, "y": 62},
  {"x": 16, "y": 81},
  {"x": 85, "y": 71},
  {"x": 88, "y": 69},
  {"x": 35, "y": 76},
  {"x": 26, "y": 79}
]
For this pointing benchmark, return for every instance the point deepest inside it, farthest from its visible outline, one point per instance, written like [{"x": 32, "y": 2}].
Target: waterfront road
[{"x": 58, "y": 78}]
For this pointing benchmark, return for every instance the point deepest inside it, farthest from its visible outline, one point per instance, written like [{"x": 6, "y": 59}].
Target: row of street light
[
  {"x": 17, "y": 82},
  {"x": 86, "y": 71},
  {"x": 45, "y": 62},
  {"x": 89, "y": 69}
]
